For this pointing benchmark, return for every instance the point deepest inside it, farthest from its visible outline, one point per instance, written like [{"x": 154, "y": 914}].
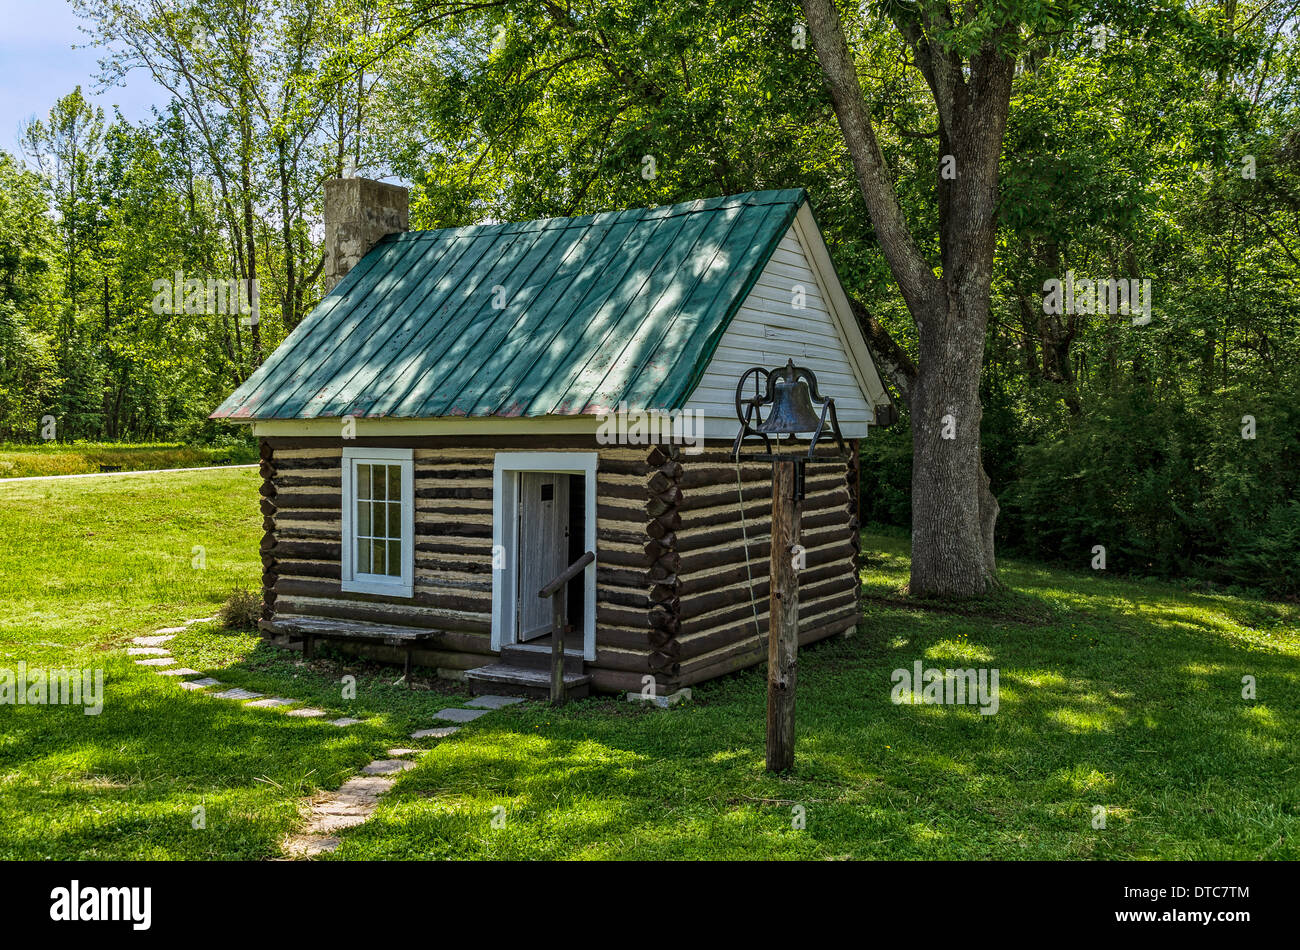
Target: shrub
[{"x": 242, "y": 609}]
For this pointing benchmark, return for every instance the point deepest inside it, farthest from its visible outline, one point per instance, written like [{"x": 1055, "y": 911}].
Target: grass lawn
[
  {"x": 1114, "y": 693},
  {"x": 80, "y": 458}
]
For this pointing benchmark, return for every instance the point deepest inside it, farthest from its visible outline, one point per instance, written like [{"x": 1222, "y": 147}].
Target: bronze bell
[{"x": 791, "y": 410}]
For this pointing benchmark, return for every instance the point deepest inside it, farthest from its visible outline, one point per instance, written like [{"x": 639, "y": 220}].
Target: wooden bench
[{"x": 312, "y": 628}]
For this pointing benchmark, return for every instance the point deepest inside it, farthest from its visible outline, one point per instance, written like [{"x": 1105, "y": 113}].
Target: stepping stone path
[
  {"x": 358, "y": 797},
  {"x": 154, "y": 647}
]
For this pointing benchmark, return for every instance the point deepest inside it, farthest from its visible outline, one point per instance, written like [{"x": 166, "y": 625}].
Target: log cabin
[{"x": 436, "y": 448}]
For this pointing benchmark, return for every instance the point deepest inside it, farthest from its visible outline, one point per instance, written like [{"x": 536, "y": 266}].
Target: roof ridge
[{"x": 794, "y": 196}]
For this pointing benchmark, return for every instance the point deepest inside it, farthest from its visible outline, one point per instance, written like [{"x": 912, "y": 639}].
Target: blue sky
[{"x": 38, "y": 64}]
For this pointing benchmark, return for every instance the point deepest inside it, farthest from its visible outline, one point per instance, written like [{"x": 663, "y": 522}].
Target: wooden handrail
[
  {"x": 555, "y": 590},
  {"x": 567, "y": 575}
]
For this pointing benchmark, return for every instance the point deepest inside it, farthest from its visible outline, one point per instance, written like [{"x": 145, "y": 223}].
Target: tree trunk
[
  {"x": 951, "y": 550},
  {"x": 953, "y": 509}
]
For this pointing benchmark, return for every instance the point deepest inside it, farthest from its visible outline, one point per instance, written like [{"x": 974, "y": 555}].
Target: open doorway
[
  {"x": 551, "y": 511},
  {"x": 543, "y": 520}
]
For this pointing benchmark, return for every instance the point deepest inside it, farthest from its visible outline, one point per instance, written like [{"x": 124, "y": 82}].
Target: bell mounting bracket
[{"x": 758, "y": 392}]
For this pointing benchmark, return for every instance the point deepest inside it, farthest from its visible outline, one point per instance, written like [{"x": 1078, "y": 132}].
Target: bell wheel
[{"x": 751, "y": 390}]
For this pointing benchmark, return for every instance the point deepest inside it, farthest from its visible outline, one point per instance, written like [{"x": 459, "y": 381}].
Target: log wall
[
  {"x": 672, "y": 593},
  {"x": 723, "y": 549}
]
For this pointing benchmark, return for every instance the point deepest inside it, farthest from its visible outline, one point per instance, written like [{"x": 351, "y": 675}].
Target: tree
[
  {"x": 65, "y": 147},
  {"x": 967, "y": 56}
]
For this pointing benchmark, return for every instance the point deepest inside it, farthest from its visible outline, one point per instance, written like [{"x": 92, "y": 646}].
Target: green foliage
[{"x": 242, "y": 609}]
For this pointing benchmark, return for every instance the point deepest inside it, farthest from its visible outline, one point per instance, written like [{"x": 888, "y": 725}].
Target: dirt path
[{"x": 141, "y": 471}]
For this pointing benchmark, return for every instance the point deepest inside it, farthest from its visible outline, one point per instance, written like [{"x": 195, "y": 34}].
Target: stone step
[{"x": 511, "y": 680}]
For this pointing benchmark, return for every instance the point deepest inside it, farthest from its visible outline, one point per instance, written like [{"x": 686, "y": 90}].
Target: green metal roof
[{"x": 619, "y": 307}]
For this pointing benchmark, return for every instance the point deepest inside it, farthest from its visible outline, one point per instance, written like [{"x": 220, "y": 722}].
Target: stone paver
[
  {"x": 179, "y": 671},
  {"x": 271, "y": 702},
  {"x": 494, "y": 702},
  {"x": 169, "y": 630},
  {"x": 147, "y": 651},
  {"x": 156, "y": 661},
  {"x": 236, "y": 692},
  {"x": 344, "y": 721},
  {"x": 460, "y": 715},
  {"x": 387, "y": 766},
  {"x": 663, "y": 702},
  {"x": 191, "y": 684},
  {"x": 437, "y": 732},
  {"x": 306, "y": 712},
  {"x": 305, "y": 846},
  {"x": 323, "y": 823},
  {"x": 202, "y": 620},
  {"x": 397, "y": 753},
  {"x": 154, "y": 641},
  {"x": 205, "y": 682},
  {"x": 363, "y": 788}
]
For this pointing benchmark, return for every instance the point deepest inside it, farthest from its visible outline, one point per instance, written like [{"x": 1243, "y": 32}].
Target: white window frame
[
  {"x": 505, "y": 520},
  {"x": 403, "y": 586}
]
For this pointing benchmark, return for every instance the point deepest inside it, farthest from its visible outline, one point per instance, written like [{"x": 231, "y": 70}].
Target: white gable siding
[{"x": 767, "y": 331}]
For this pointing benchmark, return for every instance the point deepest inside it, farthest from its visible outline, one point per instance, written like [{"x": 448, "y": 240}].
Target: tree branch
[{"x": 920, "y": 288}]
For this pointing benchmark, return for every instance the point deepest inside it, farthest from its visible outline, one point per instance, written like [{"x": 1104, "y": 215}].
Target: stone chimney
[{"x": 358, "y": 212}]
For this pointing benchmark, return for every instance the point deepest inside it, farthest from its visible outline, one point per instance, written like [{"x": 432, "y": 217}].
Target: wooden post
[
  {"x": 556, "y": 591},
  {"x": 557, "y": 647},
  {"x": 783, "y": 628}
]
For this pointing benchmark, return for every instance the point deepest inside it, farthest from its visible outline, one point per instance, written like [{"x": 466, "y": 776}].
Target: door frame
[{"x": 506, "y": 467}]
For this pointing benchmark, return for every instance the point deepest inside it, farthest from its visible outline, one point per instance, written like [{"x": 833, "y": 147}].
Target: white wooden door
[{"x": 543, "y": 546}]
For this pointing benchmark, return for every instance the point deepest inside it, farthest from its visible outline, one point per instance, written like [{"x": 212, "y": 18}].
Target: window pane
[
  {"x": 395, "y": 558},
  {"x": 363, "y": 518},
  {"x": 378, "y": 547},
  {"x": 394, "y": 520},
  {"x": 395, "y": 482},
  {"x": 363, "y": 481},
  {"x": 363, "y": 557},
  {"x": 379, "y": 483}
]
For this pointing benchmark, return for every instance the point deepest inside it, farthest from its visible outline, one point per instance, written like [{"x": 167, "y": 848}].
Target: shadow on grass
[
  {"x": 1150, "y": 732},
  {"x": 125, "y": 783}
]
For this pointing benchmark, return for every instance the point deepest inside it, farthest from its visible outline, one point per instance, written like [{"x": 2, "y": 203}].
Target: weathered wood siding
[
  {"x": 672, "y": 595},
  {"x": 767, "y": 330}
]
